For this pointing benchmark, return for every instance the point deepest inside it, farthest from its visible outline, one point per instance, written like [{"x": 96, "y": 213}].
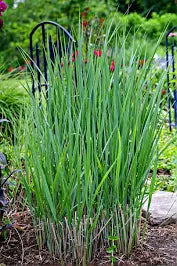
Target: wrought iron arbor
[
  {"x": 57, "y": 41},
  {"x": 171, "y": 79}
]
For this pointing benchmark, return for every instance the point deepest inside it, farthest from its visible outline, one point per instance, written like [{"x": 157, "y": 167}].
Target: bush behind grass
[
  {"x": 13, "y": 101},
  {"x": 88, "y": 151},
  {"x": 13, "y": 96}
]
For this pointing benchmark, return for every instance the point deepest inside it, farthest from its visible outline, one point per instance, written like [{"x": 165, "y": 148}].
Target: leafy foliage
[
  {"x": 168, "y": 159},
  {"x": 13, "y": 96},
  {"x": 146, "y": 6}
]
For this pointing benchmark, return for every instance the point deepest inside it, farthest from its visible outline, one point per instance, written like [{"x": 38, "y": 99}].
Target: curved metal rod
[
  {"x": 51, "y": 23},
  {"x": 168, "y": 78},
  {"x": 32, "y": 55}
]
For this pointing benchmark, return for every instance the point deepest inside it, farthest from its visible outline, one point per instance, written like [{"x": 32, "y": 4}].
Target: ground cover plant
[
  {"x": 167, "y": 170},
  {"x": 92, "y": 145}
]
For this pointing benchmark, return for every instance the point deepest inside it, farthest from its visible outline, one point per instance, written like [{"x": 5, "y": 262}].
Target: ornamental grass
[{"x": 89, "y": 148}]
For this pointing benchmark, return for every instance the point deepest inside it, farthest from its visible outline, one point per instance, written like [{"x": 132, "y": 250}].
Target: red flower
[
  {"x": 10, "y": 69},
  {"x": 84, "y": 23},
  {"x": 112, "y": 66},
  {"x": 97, "y": 53},
  {"x": 163, "y": 92},
  {"x": 83, "y": 14},
  {"x": 87, "y": 9},
  {"x": 22, "y": 68},
  {"x": 141, "y": 62},
  {"x": 101, "y": 20},
  {"x": 74, "y": 55},
  {"x": 3, "y": 6}
]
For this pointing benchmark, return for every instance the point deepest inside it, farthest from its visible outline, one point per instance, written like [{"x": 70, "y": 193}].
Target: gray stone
[{"x": 163, "y": 209}]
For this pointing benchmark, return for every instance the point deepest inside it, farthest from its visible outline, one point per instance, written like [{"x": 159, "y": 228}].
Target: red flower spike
[
  {"x": 101, "y": 20},
  {"x": 87, "y": 9},
  {"x": 141, "y": 62},
  {"x": 75, "y": 54},
  {"x": 97, "y": 53},
  {"x": 84, "y": 23},
  {"x": 163, "y": 92},
  {"x": 10, "y": 69},
  {"x": 112, "y": 66},
  {"x": 83, "y": 14},
  {"x": 21, "y": 68}
]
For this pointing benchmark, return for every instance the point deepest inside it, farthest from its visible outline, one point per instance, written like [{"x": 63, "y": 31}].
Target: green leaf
[
  {"x": 113, "y": 259},
  {"x": 113, "y": 238},
  {"x": 111, "y": 249}
]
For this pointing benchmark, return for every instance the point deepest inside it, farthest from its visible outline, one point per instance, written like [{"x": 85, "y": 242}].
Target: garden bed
[{"x": 20, "y": 246}]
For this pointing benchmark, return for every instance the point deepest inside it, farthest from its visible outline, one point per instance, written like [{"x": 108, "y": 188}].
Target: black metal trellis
[
  {"x": 56, "y": 45},
  {"x": 170, "y": 65}
]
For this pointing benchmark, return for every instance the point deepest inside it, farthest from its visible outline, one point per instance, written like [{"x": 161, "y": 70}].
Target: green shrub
[
  {"x": 13, "y": 101},
  {"x": 13, "y": 96},
  {"x": 152, "y": 27}
]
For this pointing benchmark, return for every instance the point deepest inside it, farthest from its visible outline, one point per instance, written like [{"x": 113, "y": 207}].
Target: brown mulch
[
  {"x": 19, "y": 246},
  {"x": 159, "y": 247}
]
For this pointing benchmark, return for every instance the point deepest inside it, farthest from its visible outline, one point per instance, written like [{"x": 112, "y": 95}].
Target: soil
[
  {"x": 159, "y": 247},
  {"x": 161, "y": 172},
  {"x": 20, "y": 246}
]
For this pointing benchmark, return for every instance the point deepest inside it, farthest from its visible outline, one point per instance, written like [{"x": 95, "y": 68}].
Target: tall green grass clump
[{"x": 89, "y": 148}]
